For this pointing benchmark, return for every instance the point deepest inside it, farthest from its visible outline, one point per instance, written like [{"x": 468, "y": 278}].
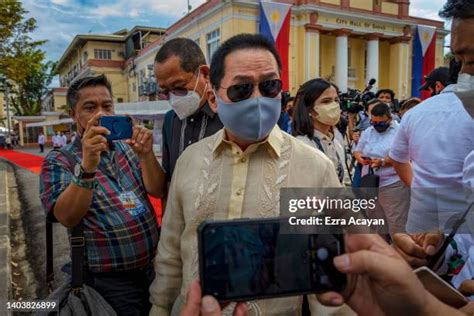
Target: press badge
[{"x": 131, "y": 203}]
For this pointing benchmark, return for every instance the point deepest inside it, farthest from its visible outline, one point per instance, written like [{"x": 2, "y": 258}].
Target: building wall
[
  {"x": 361, "y": 4},
  {"x": 117, "y": 49},
  {"x": 384, "y": 65},
  {"x": 118, "y": 82},
  {"x": 389, "y": 8},
  {"x": 60, "y": 103},
  {"x": 327, "y": 56},
  {"x": 79, "y": 60},
  {"x": 335, "y": 2}
]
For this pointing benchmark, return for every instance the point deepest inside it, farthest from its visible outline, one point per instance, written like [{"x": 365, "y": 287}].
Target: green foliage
[{"x": 21, "y": 59}]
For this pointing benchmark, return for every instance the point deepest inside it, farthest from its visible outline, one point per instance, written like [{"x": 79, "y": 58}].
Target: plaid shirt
[{"x": 115, "y": 239}]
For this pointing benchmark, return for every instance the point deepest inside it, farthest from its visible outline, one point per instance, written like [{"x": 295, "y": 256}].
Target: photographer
[{"x": 107, "y": 197}]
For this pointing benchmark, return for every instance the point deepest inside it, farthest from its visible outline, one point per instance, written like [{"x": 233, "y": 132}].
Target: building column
[
  {"x": 312, "y": 58},
  {"x": 399, "y": 72},
  {"x": 21, "y": 136},
  {"x": 342, "y": 59},
  {"x": 373, "y": 57},
  {"x": 316, "y": 57}
]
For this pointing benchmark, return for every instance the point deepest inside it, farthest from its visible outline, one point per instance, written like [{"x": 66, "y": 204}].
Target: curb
[{"x": 5, "y": 251}]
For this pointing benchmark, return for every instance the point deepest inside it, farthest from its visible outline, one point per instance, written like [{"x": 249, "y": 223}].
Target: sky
[{"x": 60, "y": 20}]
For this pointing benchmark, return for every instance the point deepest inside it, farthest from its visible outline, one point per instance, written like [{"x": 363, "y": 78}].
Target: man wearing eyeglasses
[
  {"x": 237, "y": 172},
  {"x": 183, "y": 78}
]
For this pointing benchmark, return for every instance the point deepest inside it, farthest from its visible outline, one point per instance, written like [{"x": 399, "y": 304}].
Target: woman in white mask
[{"x": 315, "y": 115}]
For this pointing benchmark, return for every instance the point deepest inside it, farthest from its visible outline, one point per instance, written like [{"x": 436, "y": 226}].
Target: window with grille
[
  {"x": 102, "y": 54},
  {"x": 213, "y": 41}
]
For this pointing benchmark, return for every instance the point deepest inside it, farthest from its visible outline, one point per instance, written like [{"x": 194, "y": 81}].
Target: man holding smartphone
[{"x": 103, "y": 187}]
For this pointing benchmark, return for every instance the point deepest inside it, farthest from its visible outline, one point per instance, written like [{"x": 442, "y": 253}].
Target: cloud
[
  {"x": 62, "y": 2},
  {"x": 60, "y": 20},
  {"x": 427, "y": 9}
]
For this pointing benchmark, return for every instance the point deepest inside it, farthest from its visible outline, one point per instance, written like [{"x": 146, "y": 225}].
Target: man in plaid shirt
[{"x": 107, "y": 192}]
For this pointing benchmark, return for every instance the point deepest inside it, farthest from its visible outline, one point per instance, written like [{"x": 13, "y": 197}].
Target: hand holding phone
[
  {"x": 94, "y": 142},
  {"x": 441, "y": 289},
  {"x": 120, "y": 127},
  {"x": 250, "y": 259}
]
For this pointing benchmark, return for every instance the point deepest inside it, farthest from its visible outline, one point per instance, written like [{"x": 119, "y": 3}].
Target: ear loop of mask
[{"x": 195, "y": 87}]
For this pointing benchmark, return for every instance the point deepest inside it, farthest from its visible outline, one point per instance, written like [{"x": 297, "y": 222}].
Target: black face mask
[{"x": 381, "y": 127}]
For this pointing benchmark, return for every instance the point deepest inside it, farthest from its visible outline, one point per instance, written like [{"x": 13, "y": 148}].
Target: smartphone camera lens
[{"x": 322, "y": 254}]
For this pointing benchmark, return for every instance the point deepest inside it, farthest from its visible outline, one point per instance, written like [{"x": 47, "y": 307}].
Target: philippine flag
[
  {"x": 424, "y": 52},
  {"x": 275, "y": 25}
]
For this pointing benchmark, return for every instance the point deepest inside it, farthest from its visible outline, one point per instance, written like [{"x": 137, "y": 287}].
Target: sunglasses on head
[{"x": 268, "y": 88}]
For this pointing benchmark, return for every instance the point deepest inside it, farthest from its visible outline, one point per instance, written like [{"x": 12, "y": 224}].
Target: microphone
[{"x": 370, "y": 85}]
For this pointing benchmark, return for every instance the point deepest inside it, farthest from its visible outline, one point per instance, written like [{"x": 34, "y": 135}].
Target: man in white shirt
[
  {"x": 63, "y": 140},
  {"x": 41, "y": 142},
  {"x": 56, "y": 141},
  {"x": 436, "y": 136}
]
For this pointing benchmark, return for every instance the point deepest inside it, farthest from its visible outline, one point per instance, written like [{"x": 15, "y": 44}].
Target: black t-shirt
[{"x": 185, "y": 132}]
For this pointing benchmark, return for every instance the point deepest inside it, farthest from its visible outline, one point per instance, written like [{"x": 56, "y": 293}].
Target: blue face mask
[
  {"x": 250, "y": 119},
  {"x": 381, "y": 127}
]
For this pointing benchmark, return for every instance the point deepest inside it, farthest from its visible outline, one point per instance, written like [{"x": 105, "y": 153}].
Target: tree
[
  {"x": 26, "y": 99},
  {"x": 21, "y": 59}
]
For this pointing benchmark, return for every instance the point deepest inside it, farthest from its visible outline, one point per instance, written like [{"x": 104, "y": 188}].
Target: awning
[
  {"x": 144, "y": 109},
  {"x": 51, "y": 123}
]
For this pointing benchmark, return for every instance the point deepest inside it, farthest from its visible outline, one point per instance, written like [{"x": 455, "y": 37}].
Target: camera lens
[{"x": 322, "y": 253}]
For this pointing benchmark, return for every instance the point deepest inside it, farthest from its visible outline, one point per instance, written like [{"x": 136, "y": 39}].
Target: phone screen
[{"x": 252, "y": 259}]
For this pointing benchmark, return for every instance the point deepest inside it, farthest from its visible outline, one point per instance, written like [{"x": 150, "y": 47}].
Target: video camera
[{"x": 353, "y": 101}]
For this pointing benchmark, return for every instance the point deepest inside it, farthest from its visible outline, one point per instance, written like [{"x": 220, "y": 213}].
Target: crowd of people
[{"x": 231, "y": 142}]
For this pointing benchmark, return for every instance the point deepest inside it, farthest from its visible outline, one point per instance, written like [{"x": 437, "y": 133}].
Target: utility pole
[
  {"x": 7, "y": 103},
  {"x": 189, "y": 7},
  {"x": 4, "y": 81}
]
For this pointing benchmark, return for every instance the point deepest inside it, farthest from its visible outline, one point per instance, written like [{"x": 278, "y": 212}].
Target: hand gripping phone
[
  {"x": 242, "y": 260},
  {"x": 120, "y": 127}
]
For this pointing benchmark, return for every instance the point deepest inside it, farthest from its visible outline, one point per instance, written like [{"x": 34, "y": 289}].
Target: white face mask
[
  {"x": 465, "y": 82},
  {"x": 186, "y": 105}
]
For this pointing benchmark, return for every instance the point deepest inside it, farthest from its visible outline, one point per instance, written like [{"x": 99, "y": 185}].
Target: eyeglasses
[
  {"x": 164, "y": 94},
  {"x": 268, "y": 88}
]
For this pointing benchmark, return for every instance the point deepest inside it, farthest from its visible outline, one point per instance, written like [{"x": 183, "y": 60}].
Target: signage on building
[{"x": 361, "y": 24}]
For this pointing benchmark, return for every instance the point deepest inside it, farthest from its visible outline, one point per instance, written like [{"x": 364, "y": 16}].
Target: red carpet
[{"x": 34, "y": 162}]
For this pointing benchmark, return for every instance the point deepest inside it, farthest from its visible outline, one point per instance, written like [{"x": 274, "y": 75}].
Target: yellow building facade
[
  {"x": 346, "y": 41},
  {"x": 95, "y": 54},
  {"x": 55, "y": 101}
]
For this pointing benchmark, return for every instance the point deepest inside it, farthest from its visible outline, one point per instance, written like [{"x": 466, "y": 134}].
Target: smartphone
[
  {"x": 366, "y": 158},
  {"x": 441, "y": 289},
  {"x": 120, "y": 127},
  {"x": 249, "y": 259}
]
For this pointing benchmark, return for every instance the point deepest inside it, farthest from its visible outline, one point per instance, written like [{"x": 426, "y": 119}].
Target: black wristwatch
[{"x": 79, "y": 173}]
